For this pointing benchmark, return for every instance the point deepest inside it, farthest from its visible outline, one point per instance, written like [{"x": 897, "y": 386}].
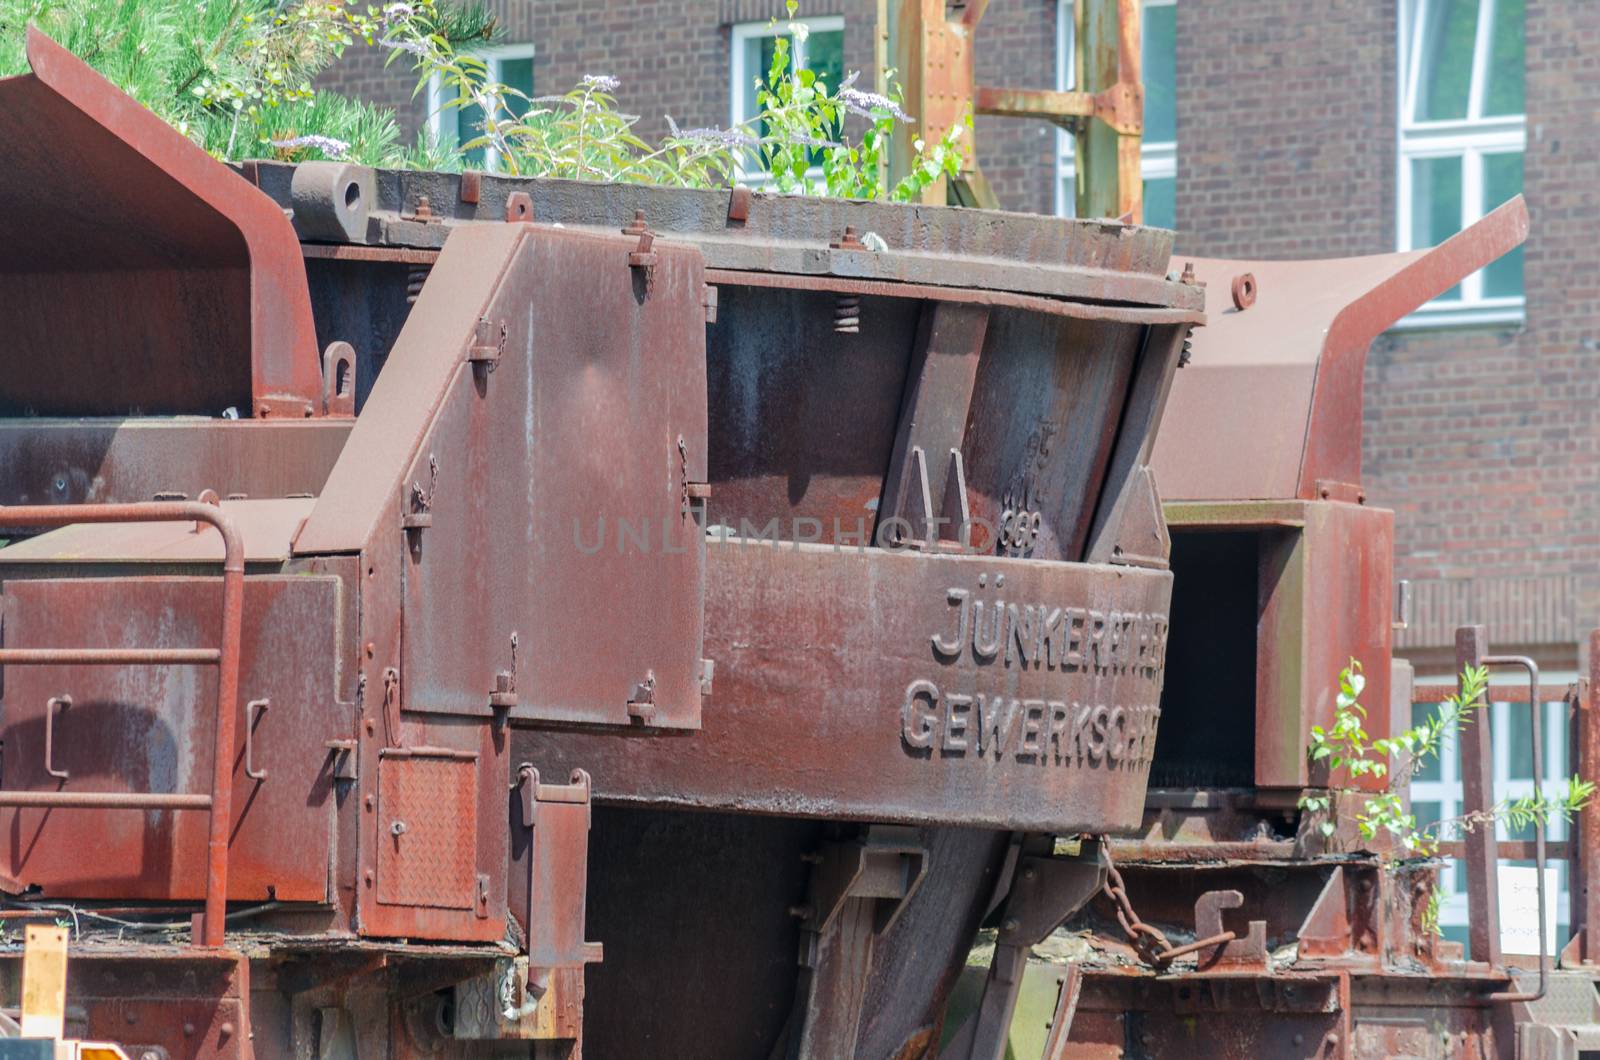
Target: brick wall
[
  {"x": 1483, "y": 440},
  {"x": 673, "y": 58}
]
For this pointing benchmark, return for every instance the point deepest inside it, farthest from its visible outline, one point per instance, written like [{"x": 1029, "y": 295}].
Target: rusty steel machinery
[
  {"x": 444, "y": 615},
  {"x": 447, "y": 615}
]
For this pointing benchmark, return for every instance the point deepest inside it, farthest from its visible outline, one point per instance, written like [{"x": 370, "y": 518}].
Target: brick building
[{"x": 1284, "y": 129}]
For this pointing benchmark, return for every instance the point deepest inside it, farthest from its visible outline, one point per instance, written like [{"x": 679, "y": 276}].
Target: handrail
[{"x": 226, "y": 659}]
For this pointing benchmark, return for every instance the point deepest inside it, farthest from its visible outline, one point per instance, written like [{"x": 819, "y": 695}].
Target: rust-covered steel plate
[{"x": 867, "y": 684}]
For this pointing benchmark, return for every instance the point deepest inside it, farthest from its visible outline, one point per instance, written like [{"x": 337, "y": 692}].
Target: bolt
[
  {"x": 1011, "y": 925},
  {"x": 398, "y": 828},
  {"x": 801, "y": 912},
  {"x": 851, "y": 240},
  {"x": 424, "y": 212},
  {"x": 188, "y": 1030},
  {"x": 368, "y": 877},
  {"x": 1029, "y": 874},
  {"x": 225, "y": 1032},
  {"x": 1188, "y": 273},
  {"x": 637, "y": 226}
]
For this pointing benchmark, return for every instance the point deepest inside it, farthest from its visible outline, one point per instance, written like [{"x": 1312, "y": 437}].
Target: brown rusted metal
[
  {"x": 1295, "y": 359},
  {"x": 226, "y": 658},
  {"x": 180, "y": 260}
]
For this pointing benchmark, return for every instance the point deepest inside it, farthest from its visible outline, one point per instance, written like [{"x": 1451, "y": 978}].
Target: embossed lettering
[
  {"x": 957, "y": 716},
  {"x": 918, "y": 714},
  {"x": 952, "y": 649}
]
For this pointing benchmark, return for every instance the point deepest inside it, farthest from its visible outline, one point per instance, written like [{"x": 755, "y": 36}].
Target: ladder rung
[
  {"x": 106, "y": 800},
  {"x": 109, "y": 656}
]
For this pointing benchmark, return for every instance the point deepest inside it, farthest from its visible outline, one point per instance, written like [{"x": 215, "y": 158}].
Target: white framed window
[
  {"x": 1158, "y": 158},
  {"x": 1462, "y": 132},
  {"x": 819, "y": 49},
  {"x": 510, "y": 65},
  {"x": 1436, "y": 793}
]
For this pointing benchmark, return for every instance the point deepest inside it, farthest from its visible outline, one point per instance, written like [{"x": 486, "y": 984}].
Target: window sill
[{"x": 1440, "y": 317}]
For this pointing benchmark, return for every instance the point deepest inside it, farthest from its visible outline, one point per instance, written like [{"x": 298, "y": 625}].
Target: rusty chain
[{"x": 1148, "y": 941}]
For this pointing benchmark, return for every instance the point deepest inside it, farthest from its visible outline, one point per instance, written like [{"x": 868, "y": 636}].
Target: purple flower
[
  {"x": 866, "y": 103},
  {"x": 326, "y": 144},
  {"x": 601, "y": 82},
  {"x": 802, "y": 140},
  {"x": 405, "y": 46},
  {"x": 720, "y": 137}
]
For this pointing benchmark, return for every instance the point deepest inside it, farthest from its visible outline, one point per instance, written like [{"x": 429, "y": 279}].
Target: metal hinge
[{"x": 708, "y": 299}]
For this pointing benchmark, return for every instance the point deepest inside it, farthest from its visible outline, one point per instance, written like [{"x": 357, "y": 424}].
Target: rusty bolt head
[
  {"x": 637, "y": 226},
  {"x": 1188, "y": 273},
  {"x": 851, "y": 240}
]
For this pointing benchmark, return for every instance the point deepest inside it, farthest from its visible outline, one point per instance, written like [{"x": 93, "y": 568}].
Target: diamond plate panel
[{"x": 428, "y": 829}]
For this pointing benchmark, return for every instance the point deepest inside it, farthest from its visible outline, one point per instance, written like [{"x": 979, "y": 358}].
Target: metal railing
[
  {"x": 226, "y": 658},
  {"x": 1481, "y": 849}
]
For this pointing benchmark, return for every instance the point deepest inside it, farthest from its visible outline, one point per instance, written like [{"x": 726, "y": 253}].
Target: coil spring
[
  {"x": 416, "y": 276},
  {"x": 847, "y": 314}
]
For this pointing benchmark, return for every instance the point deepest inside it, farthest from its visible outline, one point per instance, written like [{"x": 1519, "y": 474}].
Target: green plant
[
  {"x": 803, "y": 125},
  {"x": 237, "y": 77},
  {"x": 1351, "y": 753}
]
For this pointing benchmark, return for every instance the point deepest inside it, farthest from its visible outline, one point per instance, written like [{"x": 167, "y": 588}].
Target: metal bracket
[
  {"x": 642, "y": 256},
  {"x": 1332, "y": 490},
  {"x": 339, "y": 380},
  {"x": 1250, "y": 950},
  {"x": 1045, "y": 890},
  {"x": 642, "y": 704},
  {"x": 343, "y": 756},
  {"x": 554, "y": 868},
  {"x": 488, "y": 343}
]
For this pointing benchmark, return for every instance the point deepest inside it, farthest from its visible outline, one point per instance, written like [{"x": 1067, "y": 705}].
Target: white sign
[{"x": 1519, "y": 909}]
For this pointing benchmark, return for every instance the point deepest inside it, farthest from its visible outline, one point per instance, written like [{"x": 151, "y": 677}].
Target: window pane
[
  {"x": 1435, "y": 204},
  {"x": 825, "y": 56},
  {"x": 1519, "y": 728},
  {"x": 1507, "y": 59},
  {"x": 1429, "y": 768},
  {"x": 469, "y": 126},
  {"x": 1449, "y": 29},
  {"x": 1160, "y": 52},
  {"x": 1161, "y": 202},
  {"x": 517, "y": 74},
  {"x": 1502, "y": 178}
]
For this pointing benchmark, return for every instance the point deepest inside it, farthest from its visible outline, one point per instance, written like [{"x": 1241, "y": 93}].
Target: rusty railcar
[{"x": 810, "y": 547}]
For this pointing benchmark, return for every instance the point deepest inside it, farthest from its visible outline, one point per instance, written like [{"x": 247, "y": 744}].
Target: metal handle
[
  {"x": 259, "y": 707},
  {"x": 50, "y": 737},
  {"x": 1536, "y": 708}
]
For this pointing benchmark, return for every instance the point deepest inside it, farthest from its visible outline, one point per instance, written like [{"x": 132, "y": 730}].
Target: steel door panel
[{"x": 570, "y": 438}]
